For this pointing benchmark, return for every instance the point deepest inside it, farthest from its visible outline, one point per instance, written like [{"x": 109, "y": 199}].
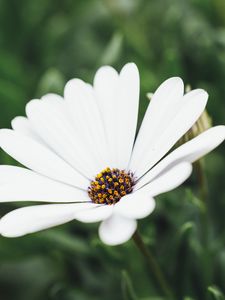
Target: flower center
[{"x": 110, "y": 185}]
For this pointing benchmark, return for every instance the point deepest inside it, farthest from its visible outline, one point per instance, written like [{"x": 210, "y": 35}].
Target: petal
[
  {"x": 52, "y": 98},
  {"x": 137, "y": 205},
  {"x": 105, "y": 86},
  {"x": 23, "y": 126},
  {"x": 52, "y": 123},
  {"x": 190, "y": 152},
  {"x": 37, "y": 157},
  {"x": 30, "y": 219},
  {"x": 94, "y": 214},
  {"x": 118, "y": 99},
  {"x": 125, "y": 116},
  {"x": 19, "y": 184},
  {"x": 86, "y": 119},
  {"x": 168, "y": 180},
  {"x": 191, "y": 107},
  {"x": 117, "y": 230},
  {"x": 160, "y": 111}
]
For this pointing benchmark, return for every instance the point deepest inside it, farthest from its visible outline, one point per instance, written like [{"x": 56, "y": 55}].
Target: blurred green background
[{"x": 42, "y": 45}]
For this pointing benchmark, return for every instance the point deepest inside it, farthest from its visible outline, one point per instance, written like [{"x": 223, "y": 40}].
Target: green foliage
[
  {"x": 42, "y": 45},
  {"x": 127, "y": 287},
  {"x": 216, "y": 293}
]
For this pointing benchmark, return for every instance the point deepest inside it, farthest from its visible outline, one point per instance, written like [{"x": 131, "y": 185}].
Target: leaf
[
  {"x": 113, "y": 49},
  {"x": 186, "y": 228},
  {"x": 216, "y": 293},
  {"x": 65, "y": 241},
  {"x": 127, "y": 287},
  {"x": 196, "y": 201},
  {"x": 51, "y": 82}
]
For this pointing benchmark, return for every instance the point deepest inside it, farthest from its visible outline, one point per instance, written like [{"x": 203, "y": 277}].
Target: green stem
[
  {"x": 153, "y": 265},
  {"x": 204, "y": 219}
]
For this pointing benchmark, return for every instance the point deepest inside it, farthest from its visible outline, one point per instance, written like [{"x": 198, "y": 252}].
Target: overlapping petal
[
  {"x": 50, "y": 120},
  {"x": 161, "y": 109},
  {"x": 155, "y": 147},
  {"x": 30, "y": 219},
  {"x": 96, "y": 213},
  {"x": 87, "y": 122},
  {"x": 23, "y": 126},
  {"x": 118, "y": 98},
  {"x": 137, "y": 205},
  {"x": 117, "y": 230},
  {"x": 39, "y": 158},
  {"x": 168, "y": 180},
  {"x": 19, "y": 184},
  {"x": 190, "y": 152}
]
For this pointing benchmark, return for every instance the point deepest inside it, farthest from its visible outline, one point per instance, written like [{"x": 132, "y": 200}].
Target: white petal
[
  {"x": 96, "y": 213},
  {"x": 106, "y": 85},
  {"x": 117, "y": 230},
  {"x": 191, "y": 107},
  {"x": 118, "y": 98},
  {"x": 190, "y": 152},
  {"x": 39, "y": 158},
  {"x": 168, "y": 180},
  {"x": 137, "y": 205},
  {"x": 52, "y": 123},
  {"x": 52, "y": 98},
  {"x": 161, "y": 109},
  {"x": 19, "y": 184},
  {"x": 126, "y": 113},
  {"x": 23, "y": 126},
  {"x": 86, "y": 119},
  {"x": 34, "y": 218}
]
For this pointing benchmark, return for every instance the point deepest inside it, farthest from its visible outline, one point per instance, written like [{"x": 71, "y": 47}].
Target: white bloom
[{"x": 66, "y": 142}]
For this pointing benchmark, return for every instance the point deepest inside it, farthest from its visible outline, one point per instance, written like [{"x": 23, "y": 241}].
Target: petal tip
[
  {"x": 219, "y": 133},
  {"x": 110, "y": 231},
  {"x": 32, "y": 104},
  {"x": 105, "y": 74},
  {"x": 130, "y": 65}
]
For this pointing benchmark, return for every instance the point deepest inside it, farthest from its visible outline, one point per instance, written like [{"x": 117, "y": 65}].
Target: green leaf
[
  {"x": 196, "y": 201},
  {"x": 186, "y": 228},
  {"x": 113, "y": 49},
  {"x": 127, "y": 287},
  {"x": 215, "y": 292},
  {"x": 65, "y": 241},
  {"x": 51, "y": 82}
]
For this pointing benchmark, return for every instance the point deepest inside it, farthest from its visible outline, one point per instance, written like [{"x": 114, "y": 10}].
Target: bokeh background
[{"x": 46, "y": 42}]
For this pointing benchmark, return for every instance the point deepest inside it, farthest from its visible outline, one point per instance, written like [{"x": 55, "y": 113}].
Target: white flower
[{"x": 66, "y": 143}]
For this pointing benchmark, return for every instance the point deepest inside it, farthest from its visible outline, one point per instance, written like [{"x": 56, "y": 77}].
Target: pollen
[{"x": 110, "y": 185}]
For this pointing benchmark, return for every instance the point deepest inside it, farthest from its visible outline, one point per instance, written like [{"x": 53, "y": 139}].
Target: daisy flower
[{"x": 82, "y": 158}]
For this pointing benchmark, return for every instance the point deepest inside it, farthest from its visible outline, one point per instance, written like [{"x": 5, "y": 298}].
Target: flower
[{"x": 81, "y": 157}]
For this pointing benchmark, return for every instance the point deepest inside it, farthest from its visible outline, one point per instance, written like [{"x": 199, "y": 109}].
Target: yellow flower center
[{"x": 110, "y": 185}]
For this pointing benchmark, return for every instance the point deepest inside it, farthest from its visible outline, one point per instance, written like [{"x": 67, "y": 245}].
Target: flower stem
[
  {"x": 204, "y": 219},
  {"x": 153, "y": 265}
]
